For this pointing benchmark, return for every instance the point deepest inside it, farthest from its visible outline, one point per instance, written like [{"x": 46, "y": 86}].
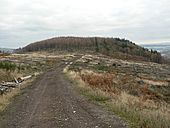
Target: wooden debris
[
  {"x": 5, "y": 86},
  {"x": 9, "y": 84},
  {"x": 21, "y": 79},
  {"x": 3, "y": 89}
]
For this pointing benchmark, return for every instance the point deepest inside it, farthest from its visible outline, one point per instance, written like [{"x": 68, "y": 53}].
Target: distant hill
[
  {"x": 6, "y": 50},
  {"x": 163, "y": 48},
  {"x": 116, "y": 47}
]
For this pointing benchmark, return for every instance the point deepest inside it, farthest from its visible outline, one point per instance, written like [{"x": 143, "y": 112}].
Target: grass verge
[
  {"x": 126, "y": 106},
  {"x": 7, "y": 98}
]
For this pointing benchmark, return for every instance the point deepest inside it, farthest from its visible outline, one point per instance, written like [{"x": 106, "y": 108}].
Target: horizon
[
  {"x": 140, "y": 44},
  {"x": 27, "y": 21}
]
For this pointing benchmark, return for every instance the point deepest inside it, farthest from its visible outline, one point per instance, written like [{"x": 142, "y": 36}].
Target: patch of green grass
[
  {"x": 8, "y": 66},
  {"x": 102, "y": 68}
]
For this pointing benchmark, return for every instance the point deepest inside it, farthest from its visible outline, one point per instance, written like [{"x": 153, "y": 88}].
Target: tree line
[{"x": 108, "y": 46}]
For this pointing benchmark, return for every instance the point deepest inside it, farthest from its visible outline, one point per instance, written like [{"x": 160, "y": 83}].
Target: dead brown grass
[
  {"x": 139, "y": 110},
  {"x": 103, "y": 82},
  {"x": 6, "y": 98},
  {"x": 5, "y": 76}
]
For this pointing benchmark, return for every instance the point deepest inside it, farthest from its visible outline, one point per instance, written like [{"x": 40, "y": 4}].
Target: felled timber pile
[{"x": 7, "y": 86}]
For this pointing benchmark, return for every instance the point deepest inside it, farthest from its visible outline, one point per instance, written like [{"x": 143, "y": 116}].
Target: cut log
[
  {"x": 9, "y": 84},
  {"x": 21, "y": 79},
  {"x": 16, "y": 80}
]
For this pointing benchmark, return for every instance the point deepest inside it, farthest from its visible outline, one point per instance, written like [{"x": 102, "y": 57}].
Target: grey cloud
[{"x": 141, "y": 21}]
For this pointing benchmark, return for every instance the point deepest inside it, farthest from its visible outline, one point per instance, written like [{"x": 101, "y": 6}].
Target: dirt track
[{"x": 51, "y": 102}]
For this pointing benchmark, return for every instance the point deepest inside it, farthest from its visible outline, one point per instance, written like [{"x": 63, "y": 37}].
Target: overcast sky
[{"x": 25, "y": 21}]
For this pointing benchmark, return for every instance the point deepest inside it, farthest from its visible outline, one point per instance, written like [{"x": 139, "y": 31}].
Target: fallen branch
[
  {"x": 9, "y": 84},
  {"x": 21, "y": 79},
  {"x": 5, "y": 86}
]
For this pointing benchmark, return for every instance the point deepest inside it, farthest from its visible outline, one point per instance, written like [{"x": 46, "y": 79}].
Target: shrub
[{"x": 8, "y": 66}]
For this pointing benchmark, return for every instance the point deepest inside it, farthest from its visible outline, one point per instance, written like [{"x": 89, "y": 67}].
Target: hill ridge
[{"x": 120, "y": 48}]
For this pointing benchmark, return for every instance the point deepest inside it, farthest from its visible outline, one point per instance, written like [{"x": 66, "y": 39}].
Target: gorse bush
[{"x": 8, "y": 66}]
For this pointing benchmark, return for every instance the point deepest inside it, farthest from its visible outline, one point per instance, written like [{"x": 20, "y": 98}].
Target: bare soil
[{"x": 52, "y": 102}]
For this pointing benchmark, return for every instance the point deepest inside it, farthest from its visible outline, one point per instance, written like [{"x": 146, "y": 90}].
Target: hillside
[
  {"x": 163, "y": 48},
  {"x": 138, "y": 92},
  {"x": 116, "y": 47},
  {"x": 6, "y": 50}
]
